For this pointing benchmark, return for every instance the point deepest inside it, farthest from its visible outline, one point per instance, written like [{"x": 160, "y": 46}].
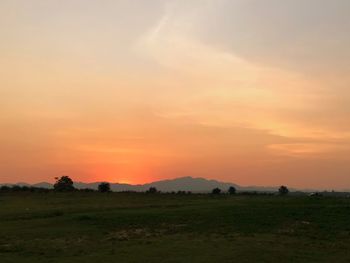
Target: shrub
[
  {"x": 63, "y": 184},
  {"x": 283, "y": 190},
  {"x": 152, "y": 190},
  {"x": 216, "y": 191},
  {"x": 232, "y": 190},
  {"x": 104, "y": 187}
]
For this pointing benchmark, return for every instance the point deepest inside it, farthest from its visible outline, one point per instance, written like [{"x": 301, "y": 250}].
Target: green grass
[{"x": 116, "y": 227}]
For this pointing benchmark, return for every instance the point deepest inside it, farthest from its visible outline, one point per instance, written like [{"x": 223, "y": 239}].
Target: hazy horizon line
[{"x": 293, "y": 188}]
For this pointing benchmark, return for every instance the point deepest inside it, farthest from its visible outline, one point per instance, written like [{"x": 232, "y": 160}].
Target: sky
[{"x": 245, "y": 91}]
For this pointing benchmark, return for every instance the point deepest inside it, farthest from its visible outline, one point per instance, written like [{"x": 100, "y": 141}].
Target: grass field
[{"x": 120, "y": 227}]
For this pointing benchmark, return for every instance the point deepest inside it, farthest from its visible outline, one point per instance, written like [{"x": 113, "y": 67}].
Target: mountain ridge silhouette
[{"x": 186, "y": 183}]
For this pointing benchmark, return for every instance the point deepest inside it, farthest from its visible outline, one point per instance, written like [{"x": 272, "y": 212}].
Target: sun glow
[{"x": 137, "y": 91}]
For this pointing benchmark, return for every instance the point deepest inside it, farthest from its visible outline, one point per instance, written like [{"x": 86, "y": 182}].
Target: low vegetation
[{"x": 88, "y": 227}]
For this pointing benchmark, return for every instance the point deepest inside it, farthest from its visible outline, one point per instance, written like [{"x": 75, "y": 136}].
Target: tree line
[{"x": 66, "y": 184}]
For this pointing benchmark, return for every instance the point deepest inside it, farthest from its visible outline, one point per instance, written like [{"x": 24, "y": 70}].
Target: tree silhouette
[
  {"x": 104, "y": 187},
  {"x": 63, "y": 184},
  {"x": 283, "y": 190},
  {"x": 5, "y": 188},
  {"x": 152, "y": 190},
  {"x": 16, "y": 188},
  {"x": 216, "y": 191},
  {"x": 232, "y": 190}
]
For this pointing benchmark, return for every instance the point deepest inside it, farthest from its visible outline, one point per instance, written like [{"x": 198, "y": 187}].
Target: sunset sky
[{"x": 245, "y": 91}]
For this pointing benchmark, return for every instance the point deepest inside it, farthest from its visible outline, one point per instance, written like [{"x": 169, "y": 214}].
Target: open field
[{"x": 121, "y": 227}]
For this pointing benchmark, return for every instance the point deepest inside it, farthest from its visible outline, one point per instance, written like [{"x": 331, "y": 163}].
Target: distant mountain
[
  {"x": 189, "y": 184},
  {"x": 43, "y": 185},
  {"x": 22, "y": 184},
  {"x": 196, "y": 185},
  {"x": 177, "y": 184}
]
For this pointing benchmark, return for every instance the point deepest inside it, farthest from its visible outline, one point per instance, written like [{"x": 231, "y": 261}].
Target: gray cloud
[{"x": 302, "y": 35}]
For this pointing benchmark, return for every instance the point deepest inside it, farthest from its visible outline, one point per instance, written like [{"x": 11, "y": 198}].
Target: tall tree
[
  {"x": 216, "y": 191},
  {"x": 283, "y": 190},
  {"x": 104, "y": 187},
  {"x": 63, "y": 184},
  {"x": 232, "y": 190}
]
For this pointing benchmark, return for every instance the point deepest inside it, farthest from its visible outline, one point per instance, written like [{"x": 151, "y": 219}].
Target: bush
[
  {"x": 87, "y": 190},
  {"x": 63, "y": 184},
  {"x": 5, "y": 188},
  {"x": 16, "y": 188},
  {"x": 283, "y": 190},
  {"x": 152, "y": 190},
  {"x": 232, "y": 190},
  {"x": 216, "y": 191},
  {"x": 104, "y": 187}
]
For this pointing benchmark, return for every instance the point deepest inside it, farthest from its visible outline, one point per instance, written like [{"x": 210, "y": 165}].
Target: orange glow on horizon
[{"x": 179, "y": 88}]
